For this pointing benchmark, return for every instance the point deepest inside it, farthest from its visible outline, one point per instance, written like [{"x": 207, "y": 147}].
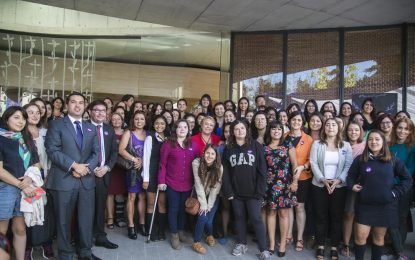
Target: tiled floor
[{"x": 139, "y": 249}]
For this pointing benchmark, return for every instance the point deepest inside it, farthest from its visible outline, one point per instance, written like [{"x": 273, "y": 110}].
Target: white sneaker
[
  {"x": 265, "y": 255},
  {"x": 239, "y": 249}
]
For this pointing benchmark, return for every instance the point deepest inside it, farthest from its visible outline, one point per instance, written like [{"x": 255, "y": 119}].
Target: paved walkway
[{"x": 139, "y": 249}]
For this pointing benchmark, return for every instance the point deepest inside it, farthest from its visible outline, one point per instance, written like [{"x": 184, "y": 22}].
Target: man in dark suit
[
  {"x": 72, "y": 146},
  {"x": 106, "y": 161}
]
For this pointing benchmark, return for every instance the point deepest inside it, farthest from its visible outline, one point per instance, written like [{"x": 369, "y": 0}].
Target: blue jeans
[
  {"x": 10, "y": 201},
  {"x": 176, "y": 213},
  {"x": 205, "y": 221}
]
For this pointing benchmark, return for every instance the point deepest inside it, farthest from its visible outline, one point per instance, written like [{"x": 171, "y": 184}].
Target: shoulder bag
[{"x": 121, "y": 161}]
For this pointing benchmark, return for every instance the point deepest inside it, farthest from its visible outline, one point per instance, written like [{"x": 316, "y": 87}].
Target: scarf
[
  {"x": 24, "y": 152},
  {"x": 374, "y": 157}
]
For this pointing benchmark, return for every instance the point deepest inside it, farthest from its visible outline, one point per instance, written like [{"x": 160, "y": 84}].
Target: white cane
[{"x": 152, "y": 216}]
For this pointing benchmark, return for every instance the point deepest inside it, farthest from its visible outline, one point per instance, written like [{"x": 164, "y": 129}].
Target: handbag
[
  {"x": 191, "y": 204},
  {"x": 134, "y": 175},
  {"x": 124, "y": 163}
]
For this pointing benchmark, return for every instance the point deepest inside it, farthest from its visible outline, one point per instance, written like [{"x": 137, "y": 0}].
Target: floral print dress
[{"x": 279, "y": 178}]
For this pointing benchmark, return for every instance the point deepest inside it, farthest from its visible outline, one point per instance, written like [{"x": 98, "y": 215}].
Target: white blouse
[{"x": 331, "y": 161}]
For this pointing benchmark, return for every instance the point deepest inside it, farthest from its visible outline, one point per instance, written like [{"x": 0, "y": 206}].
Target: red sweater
[{"x": 214, "y": 139}]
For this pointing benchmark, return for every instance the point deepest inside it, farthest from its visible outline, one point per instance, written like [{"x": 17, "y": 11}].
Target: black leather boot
[
  {"x": 154, "y": 228},
  {"x": 142, "y": 230},
  {"x": 162, "y": 219},
  {"x": 131, "y": 233}
]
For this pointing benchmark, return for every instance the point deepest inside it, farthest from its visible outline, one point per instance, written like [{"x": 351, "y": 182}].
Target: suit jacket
[
  {"x": 63, "y": 151},
  {"x": 111, "y": 150}
]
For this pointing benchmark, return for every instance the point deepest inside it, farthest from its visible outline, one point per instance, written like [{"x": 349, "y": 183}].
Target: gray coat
[
  {"x": 317, "y": 155},
  {"x": 63, "y": 151}
]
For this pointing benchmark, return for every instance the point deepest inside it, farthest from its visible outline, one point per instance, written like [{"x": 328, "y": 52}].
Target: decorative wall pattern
[{"x": 33, "y": 66}]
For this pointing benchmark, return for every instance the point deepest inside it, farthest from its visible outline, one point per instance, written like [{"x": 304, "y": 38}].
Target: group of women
[{"x": 323, "y": 171}]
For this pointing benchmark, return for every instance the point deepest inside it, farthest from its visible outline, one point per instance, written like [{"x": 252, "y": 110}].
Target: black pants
[
  {"x": 329, "y": 209},
  {"x": 398, "y": 235},
  {"x": 253, "y": 206},
  {"x": 101, "y": 193},
  {"x": 65, "y": 203}
]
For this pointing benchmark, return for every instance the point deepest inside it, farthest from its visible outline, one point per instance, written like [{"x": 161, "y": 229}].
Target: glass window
[
  {"x": 372, "y": 61},
  {"x": 257, "y": 67},
  {"x": 313, "y": 70}
]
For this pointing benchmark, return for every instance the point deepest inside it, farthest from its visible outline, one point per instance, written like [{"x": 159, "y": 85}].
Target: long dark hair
[
  {"x": 164, "y": 104},
  {"x": 307, "y": 115},
  {"x": 380, "y": 118},
  {"x": 322, "y": 109},
  {"x": 254, "y": 130},
  {"x": 291, "y": 106},
  {"x": 323, "y": 136},
  {"x": 233, "y": 105},
  {"x": 166, "y": 130},
  {"x": 238, "y": 112},
  {"x": 154, "y": 108},
  {"x": 210, "y": 174},
  {"x": 171, "y": 115},
  {"x": 402, "y": 111},
  {"x": 317, "y": 114},
  {"x": 373, "y": 113},
  {"x": 173, "y": 138},
  {"x": 209, "y": 108},
  {"x": 53, "y": 103},
  {"x": 362, "y": 132},
  {"x": 9, "y": 112},
  {"x": 385, "y": 153},
  {"x": 232, "y": 138},
  {"x": 131, "y": 127},
  {"x": 43, "y": 119},
  {"x": 272, "y": 125},
  {"x": 341, "y": 109}
]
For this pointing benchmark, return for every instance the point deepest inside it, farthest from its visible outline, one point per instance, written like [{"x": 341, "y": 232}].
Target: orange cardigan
[{"x": 303, "y": 155}]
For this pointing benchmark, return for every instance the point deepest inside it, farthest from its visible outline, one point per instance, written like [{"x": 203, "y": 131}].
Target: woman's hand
[
  {"x": 29, "y": 191},
  {"x": 327, "y": 184},
  {"x": 298, "y": 171},
  {"x": 162, "y": 187},
  {"x": 145, "y": 185},
  {"x": 357, "y": 188},
  {"x": 137, "y": 163},
  {"x": 294, "y": 187},
  {"x": 333, "y": 185},
  {"x": 25, "y": 182},
  {"x": 203, "y": 212}
]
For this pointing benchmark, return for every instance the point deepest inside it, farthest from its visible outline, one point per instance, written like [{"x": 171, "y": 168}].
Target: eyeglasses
[
  {"x": 386, "y": 123},
  {"x": 99, "y": 110}
]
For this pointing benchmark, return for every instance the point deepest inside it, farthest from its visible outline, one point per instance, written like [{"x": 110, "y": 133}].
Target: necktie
[
  {"x": 79, "y": 135},
  {"x": 100, "y": 144}
]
